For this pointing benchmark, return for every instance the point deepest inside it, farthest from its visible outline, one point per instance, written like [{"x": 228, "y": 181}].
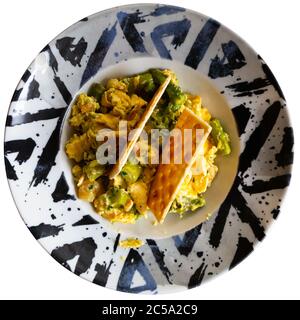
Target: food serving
[{"x": 128, "y": 189}]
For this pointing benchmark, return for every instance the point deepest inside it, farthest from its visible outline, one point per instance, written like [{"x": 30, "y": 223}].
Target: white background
[{"x": 271, "y": 272}]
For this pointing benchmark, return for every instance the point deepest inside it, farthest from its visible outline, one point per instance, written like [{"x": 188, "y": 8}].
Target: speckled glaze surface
[{"x": 41, "y": 183}]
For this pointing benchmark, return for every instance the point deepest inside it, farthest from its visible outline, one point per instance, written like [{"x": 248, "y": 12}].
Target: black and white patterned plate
[{"x": 225, "y": 71}]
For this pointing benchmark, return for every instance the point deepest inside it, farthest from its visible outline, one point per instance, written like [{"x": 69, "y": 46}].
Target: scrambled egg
[
  {"x": 124, "y": 199},
  {"x": 139, "y": 193},
  {"x": 131, "y": 243}
]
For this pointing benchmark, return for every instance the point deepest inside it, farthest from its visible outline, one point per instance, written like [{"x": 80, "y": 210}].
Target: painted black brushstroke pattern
[
  {"x": 246, "y": 215},
  {"x": 202, "y": 42},
  {"x": 71, "y": 52},
  {"x": 52, "y": 60},
  {"x": 16, "y": 94},
  {"x": 258, "y": 186},
  {"x": 244, "y": 248},
  {"x": 242, "y": 116},
  {"x": 221, "y": 218},
  {"x": 99, "y": 53},
  {"x": 85, "y": 249},
  {"x": 197, "y": 277},
  {"x": 160, "y": 259},
  {"x": 45, "y": 114},
  {"x": 24, "y": 148},
  {"x": 45, "y": 230},
  {"x": 285, "y": 156},
  {"x": 85, "y": 220},
  {"x": 255, "y": 92},
  {"x": 179, "y": 29},
  {"x": 127, "y": 21},
  {"x": 102, "y": 273},
  {"x": 33, "y": 90},
  {"x": 252, "y": 148},
  {"x": 166, "y": 10},
  {"x": 48, "y": 156},
  {"x": 247, "y": 89},
  {"x": 259, "y": 136},
  {"x": 185, "y": 246},
  {"x": 271, "y": 78},
  {"x": 61, "y": 190},
  {"x": 234, "y": 198},
  {"x": 26, "y": 75},
  {"x": 132, "y": 264},
  {"x": 10, "y": 171},
  {"x": 49, "y": 153},
  {"x": 236, "y": 60},
  {"x": 275, "y": 212},
  {"x": 63, "y": 90},
  {"x": 116, "y": 242}
]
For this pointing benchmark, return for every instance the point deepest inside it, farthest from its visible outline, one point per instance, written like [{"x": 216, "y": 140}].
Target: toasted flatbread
[
  {"x": 169, "y": 177},
  {"x": 139, "y": 128}
]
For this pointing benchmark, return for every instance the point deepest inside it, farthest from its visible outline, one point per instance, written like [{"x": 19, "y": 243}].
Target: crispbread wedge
[
  {"x": 139, "y": 128},
  {"x": 169, "y": 177}
]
